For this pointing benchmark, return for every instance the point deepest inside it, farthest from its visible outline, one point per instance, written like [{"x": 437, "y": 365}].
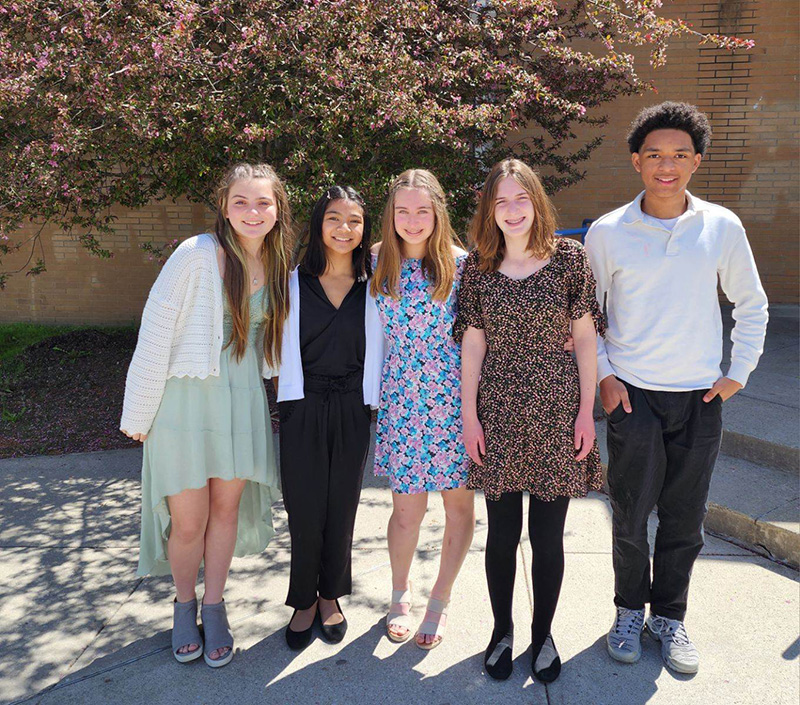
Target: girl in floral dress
[
  {"x": 418, "y": 439},
  {"x": 527, "y": 404}
]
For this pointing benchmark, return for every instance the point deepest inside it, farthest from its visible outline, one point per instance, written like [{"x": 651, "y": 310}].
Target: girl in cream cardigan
[{"x": 212, "y": 326}]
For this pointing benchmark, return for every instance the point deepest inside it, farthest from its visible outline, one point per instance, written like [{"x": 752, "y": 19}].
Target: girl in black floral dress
[{"x": 526, "y": 403}]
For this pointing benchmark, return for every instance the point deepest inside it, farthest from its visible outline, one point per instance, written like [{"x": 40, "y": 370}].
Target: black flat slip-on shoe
[
  {"x": 546, "y": 666},
  {"x": 297, "y": 641},
  {"x": 498, "y": 659},
  {"x": 333, "y": 633}
]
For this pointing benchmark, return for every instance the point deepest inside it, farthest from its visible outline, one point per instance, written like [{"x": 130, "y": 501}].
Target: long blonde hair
[
  {"x": 487, "y": 236},
  {"x": 438, "y": 263},
  {"x": 275, "y": 255}
]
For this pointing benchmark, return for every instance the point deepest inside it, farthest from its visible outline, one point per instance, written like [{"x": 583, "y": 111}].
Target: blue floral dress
[{"x": 418, "y": 441}]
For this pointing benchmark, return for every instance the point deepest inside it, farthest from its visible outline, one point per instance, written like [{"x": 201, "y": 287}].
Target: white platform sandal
[
  {"x": 431, "y": 628},
  {"x": 399, "y": 619}
]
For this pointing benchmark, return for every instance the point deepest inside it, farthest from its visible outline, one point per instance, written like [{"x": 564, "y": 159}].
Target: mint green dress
[{"x": 212, "y": 427}]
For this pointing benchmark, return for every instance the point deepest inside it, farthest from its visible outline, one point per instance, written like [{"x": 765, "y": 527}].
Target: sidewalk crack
[
  {"x": 65, "y": 681},
  {"x": 782, "y": 504}
]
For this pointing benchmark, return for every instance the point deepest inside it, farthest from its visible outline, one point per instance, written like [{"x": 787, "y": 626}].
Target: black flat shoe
[
  {"x": 546, "y": 666},
  {"x": 497, "y": 660},
  {"x": 297, "y": 641},
  {"x": 333, "y": 633}
]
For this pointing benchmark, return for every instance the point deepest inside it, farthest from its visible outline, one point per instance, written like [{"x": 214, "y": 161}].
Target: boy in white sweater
[{"x": 657, "y": 261}]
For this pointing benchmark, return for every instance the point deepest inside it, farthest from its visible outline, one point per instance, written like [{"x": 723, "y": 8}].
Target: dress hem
[
  {"x": 422, "y": 490},
  {"x": 159, "y": 564},
  {"x": 542, "y": 496}
]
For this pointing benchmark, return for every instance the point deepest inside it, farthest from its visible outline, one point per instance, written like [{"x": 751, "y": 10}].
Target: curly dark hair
[{"x": 670, "y": 116}]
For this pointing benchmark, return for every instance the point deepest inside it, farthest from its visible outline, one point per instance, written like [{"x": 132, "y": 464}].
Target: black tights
[{"x": 546, "y": 529}]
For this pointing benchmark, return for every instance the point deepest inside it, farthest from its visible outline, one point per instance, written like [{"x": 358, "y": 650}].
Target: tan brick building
[
  {"x": 751, "y": 99},
  {"x": 752, "y": 168}
]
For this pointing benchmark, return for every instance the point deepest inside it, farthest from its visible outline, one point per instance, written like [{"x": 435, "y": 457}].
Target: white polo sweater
[
  {"x": 660, "y": 288},
  {"x": 180, "y": 333}
]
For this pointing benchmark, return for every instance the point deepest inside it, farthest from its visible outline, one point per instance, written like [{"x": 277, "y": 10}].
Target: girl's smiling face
[
  {"x": 513, "y": 208},
  {"x": 251, "y": 208},
  {"x": 342, "y": 226},
  {"x": 414, "y": 216}
]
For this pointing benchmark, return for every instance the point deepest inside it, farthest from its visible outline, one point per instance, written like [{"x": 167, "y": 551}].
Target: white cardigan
[
  {"x": 290, "y": 376},
  {"x": 180, "y": 333}
]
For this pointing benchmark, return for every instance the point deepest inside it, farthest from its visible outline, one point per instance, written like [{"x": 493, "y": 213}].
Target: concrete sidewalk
[
  {"x": 79, "y": 627},
  {"x": 755, "y": 495}
]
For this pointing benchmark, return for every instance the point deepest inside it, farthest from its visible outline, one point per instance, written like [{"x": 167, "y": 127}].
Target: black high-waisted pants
[{"x": 324, "y": 442}]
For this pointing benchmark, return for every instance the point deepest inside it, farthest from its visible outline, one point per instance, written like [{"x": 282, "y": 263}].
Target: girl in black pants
[{"x": 331, "y": 349}]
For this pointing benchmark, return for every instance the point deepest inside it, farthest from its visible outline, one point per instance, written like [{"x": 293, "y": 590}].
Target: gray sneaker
[
  {"x": 677, "y": 650},
  {"x": 624, "y": 641}
]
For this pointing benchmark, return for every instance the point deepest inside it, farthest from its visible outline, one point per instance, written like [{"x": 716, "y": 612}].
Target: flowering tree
[{"x": 119, "y": 102}]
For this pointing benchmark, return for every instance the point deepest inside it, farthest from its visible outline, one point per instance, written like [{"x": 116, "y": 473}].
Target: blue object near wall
[{"x": 572, "y": 232}]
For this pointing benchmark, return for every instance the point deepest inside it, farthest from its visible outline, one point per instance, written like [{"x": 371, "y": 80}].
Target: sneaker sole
[
  {"x": 679, "y": 668},
  {"x": 622, "y": 657}
]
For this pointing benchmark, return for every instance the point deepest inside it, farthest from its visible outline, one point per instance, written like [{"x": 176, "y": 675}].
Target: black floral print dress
[{"x": 529, "y": 391}]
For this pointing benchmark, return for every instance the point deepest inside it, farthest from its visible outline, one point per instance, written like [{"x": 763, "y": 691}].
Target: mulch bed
[{"x": 64, "y": 394}]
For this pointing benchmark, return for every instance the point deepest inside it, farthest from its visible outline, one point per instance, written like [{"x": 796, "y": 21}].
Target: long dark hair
[
  {"x": 275, "y": 254},
  {"x": 314, "y": 261}
]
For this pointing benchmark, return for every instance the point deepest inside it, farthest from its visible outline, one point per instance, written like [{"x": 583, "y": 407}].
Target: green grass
[
  {"x": 11, "y": 417},
  {"x": 15, "y": 337}
]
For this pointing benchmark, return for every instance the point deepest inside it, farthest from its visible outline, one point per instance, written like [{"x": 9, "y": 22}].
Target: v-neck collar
[{"x": 324, "y": 293}]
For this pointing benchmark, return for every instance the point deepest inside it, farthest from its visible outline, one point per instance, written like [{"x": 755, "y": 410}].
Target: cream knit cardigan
[{"x": 180, "y": 333}]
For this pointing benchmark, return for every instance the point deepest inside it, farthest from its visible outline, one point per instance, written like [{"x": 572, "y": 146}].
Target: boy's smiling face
[{"x": 666, "y": 162}]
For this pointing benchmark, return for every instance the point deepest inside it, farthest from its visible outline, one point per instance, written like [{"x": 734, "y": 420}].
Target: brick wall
[
  {"x": 80, "y": 288},
  {"x": 752, "y": 168},
  {"x": 751, "y": 100}
]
